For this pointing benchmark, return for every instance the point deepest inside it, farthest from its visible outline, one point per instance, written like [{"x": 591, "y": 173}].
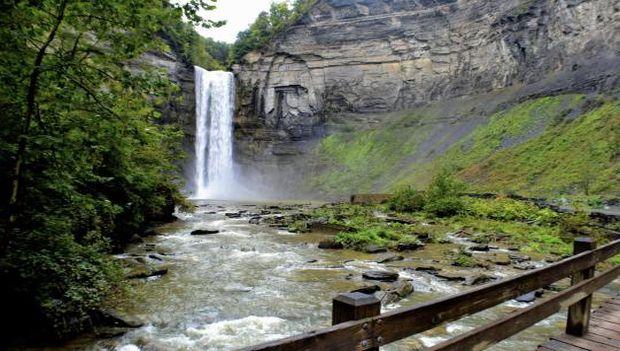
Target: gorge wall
[{"x": 363, "y": 57}]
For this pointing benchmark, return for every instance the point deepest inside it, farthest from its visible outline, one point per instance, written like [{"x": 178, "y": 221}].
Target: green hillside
[{"x": 566, "y": 144}]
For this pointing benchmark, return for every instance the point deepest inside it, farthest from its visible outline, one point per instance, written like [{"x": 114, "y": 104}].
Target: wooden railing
[{"x": 359, "y": 326}]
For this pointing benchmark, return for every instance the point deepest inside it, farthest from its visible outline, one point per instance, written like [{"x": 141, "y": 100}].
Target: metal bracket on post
[{"x": 578, "y": 319}]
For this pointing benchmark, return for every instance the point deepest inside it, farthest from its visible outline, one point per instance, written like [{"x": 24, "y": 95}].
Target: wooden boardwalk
[{"x": 603, "y": 333}]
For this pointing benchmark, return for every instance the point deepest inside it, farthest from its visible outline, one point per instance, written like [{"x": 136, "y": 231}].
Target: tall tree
[{"x": 84, "y": 162}]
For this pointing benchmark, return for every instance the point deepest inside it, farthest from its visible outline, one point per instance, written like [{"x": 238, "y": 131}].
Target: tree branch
[{"x": 31, "y": 97}]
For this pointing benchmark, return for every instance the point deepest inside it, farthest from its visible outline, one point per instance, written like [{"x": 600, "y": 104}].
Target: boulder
[
  {"x": 255, "y": 220},
  {"x": 205, "y": 232},
  {"x": 398, "y": 292},
  {"x": 233, "y": 214},
  {"x": 384, "y": 276}
]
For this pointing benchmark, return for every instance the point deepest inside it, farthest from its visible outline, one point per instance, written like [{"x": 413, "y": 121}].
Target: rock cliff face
[
  {"x": 368, "y": 56},
  {"x": 179, "y": 109}
]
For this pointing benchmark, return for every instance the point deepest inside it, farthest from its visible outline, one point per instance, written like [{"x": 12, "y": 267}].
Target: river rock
[
  {"x": 482, "y": 247},
  {"x": 233, "y": 214},
  {"x": 398, "y": 292},
  {"x": 384, "y": 276},
  {"x": 372, "y": 249},
  {"x": 322, "y": 226},
  {"x": 479, "y": 279},
  {"x": 330, "y": 244},
  {"x": 370, "y": 289},
  {"x": 518, "y": 257},
  {"x": 389, "y": 259},
  {"x": 150, "y": 232},
  {"x": 156, "y": 257},
  {"x": 255, "y": 220},
  {"x": 205, "y": 232},
  {"x": 112, "y": 318},
  {"x": 409, "y": 246},
  {"x": 146, "y": 272},
  {"x": 529, "y": 297},
  {"x": 524, "y": 266},
  {"x": 499, "y": 258}
]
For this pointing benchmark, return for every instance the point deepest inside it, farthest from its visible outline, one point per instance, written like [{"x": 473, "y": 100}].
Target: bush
[
  {"x": 407, "y": 199},
  {"x": 444, "y": 185},
  {"x": 445, "y": 207},
  {"x": 443, "y": 197},
  {"x": 510, "y": 210}
]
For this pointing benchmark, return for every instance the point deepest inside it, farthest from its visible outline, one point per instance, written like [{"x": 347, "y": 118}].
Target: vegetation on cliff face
[
  {"x": 565, "y": 144},
  {"x": 267, "y": 26},
  {"x": 85, "y": 163}
]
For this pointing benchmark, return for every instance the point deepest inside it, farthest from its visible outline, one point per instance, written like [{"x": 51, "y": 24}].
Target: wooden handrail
[
  {"x": 487, "y": 335},
  {"x": 376, "y": 331}
]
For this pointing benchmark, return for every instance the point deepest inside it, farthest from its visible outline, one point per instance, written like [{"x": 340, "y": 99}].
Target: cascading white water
[{"x": 214, "y": 172}]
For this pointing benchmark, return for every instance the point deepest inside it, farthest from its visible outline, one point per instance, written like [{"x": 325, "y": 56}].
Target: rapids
[{"x": 252, "y": 283}]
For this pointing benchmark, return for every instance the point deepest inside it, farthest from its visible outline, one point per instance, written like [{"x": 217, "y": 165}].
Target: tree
[
  {"x": 269, "y": 24},
  {"x": 85, "y": 163}
]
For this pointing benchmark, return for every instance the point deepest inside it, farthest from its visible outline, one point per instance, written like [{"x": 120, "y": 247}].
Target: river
[{"x": 251, "y": 283}]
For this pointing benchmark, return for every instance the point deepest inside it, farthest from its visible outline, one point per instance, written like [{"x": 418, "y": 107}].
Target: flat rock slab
[
  {"x": 383, "y": 276},
  {"x": 375, "y": 249},
  {"x": 205, "y": 232},
  {"x": 409, "y": 246},
  {"x": 330, "y": 244},
  {"x": 391, "y": 259}
]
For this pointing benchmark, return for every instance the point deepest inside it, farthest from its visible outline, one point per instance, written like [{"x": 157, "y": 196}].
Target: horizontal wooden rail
[
  {"x": 485, "y": 336},
  {"x": 376, "y": 331}
]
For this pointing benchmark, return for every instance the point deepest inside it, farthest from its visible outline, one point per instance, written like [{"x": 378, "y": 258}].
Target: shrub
[
  {"x": 510, "y": 210},
  {"x": 407, "y": 199},
  {"x": 445, "y": 207},
  {"x": 444, "y": 185},
  {"x": 443, "y": 195}
]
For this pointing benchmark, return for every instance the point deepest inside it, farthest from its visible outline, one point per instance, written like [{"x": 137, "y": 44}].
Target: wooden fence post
[
  {"x": 579, "y": 313},
  {"x": 355, "y": 306}
]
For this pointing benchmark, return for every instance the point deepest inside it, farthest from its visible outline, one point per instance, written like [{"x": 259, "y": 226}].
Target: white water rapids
[{"x": 214, "y": 171}]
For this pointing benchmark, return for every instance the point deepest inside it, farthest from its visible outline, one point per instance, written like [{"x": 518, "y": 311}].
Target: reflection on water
[{"x": 252, "y": 283}]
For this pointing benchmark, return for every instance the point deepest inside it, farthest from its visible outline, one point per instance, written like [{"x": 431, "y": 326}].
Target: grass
[{"x": 503, "y": 222}]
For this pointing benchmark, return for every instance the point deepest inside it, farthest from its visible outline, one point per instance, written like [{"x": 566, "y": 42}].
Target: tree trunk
[{"x": 31, "y": 97}]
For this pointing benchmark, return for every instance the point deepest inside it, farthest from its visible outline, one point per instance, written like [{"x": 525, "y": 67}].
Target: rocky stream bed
[{"x": 232, "y": 275}]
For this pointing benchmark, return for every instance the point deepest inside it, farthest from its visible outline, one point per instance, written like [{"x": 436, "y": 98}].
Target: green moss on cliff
[
  {"x": 575, "y": 156},
  {"x": 565, "y": 144}
]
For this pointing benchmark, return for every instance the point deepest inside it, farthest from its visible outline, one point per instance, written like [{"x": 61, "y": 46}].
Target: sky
[{"x": 239, "y": 14}]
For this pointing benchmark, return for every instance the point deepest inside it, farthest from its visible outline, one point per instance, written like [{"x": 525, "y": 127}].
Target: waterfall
[{"x": 214, "y": 172}]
